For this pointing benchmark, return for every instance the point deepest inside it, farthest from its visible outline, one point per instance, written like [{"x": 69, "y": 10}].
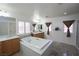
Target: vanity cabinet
[
  {"x": 39, "y": 35},
  {"x": 9, "y": 47},
  {"x": 0, "y": 48}
]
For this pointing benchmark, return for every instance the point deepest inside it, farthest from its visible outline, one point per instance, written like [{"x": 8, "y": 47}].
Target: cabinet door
[
  {"x": 9, "y": 47},
  {"x": 6, "y": 47},
  {"x": 0, "y": 49},
  {"x": 15, "y": 45}
]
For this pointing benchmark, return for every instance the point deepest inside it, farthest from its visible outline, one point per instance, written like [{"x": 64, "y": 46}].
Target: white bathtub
[{"x": 32, "y": 46}]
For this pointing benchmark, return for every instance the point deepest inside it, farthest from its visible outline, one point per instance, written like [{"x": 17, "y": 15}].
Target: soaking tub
[{"x": 32, "y": 46}]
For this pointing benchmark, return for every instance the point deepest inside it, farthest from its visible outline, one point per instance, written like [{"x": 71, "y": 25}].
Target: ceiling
[{"x": 44, "y": 9}]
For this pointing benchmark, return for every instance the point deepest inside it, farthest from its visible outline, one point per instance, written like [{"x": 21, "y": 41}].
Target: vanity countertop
[
  {"x": 7, "y": 37},
  {"x": 36, "y": 32}
]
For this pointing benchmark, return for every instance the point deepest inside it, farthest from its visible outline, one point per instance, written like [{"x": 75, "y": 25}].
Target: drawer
[
  {"x": 39, "y": 35},
  {"x": 0, "y": 43},
  {"x": 0, "y": 49}
]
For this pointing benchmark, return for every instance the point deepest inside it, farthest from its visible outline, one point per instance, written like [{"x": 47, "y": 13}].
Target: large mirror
[{"x": 7, "y": 26}]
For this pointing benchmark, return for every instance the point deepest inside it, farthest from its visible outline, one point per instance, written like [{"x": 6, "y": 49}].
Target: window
[
  {"x": 71, "y": 29},
  {"x": 21, "y": 27},
  {"x": 27, "y": 27},
  {"x": 50, "y": 28}
]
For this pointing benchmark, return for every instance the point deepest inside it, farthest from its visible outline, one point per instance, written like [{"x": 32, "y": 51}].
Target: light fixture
[
  {"x": 36, "y": 17},
  {"x": 4, "y": 13},
  {"x": 60, "y": 3},
  {"x": 36, "y": 21},
  {"x": 65, "y": 13}
]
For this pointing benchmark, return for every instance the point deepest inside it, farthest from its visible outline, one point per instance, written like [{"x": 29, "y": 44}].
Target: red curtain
[
  {"x": 48, "y": 24},
  {"x": 68, "y": 24}
]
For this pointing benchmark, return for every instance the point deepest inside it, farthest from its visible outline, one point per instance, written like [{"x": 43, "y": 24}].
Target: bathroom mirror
[{"x": 40, "y": 27}]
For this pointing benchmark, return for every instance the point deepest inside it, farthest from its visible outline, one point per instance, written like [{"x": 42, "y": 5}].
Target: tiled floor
[{"x": 60, "y": 49}]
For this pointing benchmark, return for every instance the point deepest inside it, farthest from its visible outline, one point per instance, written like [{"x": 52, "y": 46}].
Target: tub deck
[{"x": 31, "y": 50}]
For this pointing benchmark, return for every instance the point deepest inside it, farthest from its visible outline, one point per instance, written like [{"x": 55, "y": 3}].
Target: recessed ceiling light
[
  {"x": 0, "y": 10},
  {"x": 5, "y": 11},
  {"x": 60, "y": 3},
  {"x": 46, "y": 16},
  {"x": 65, "y": 13}
]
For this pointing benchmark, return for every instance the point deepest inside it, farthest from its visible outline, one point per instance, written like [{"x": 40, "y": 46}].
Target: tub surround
[
  {"x": 36, "y": 42},
  {"x": 24, "y": 35},
  {"x": 29, "y": 49}
]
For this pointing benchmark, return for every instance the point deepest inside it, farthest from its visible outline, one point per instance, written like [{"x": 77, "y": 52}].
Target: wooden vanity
[
  {"x": 38, "y": 34},
  {"x": 10, "y": 46},
  {"x": 9, "y": 41}
]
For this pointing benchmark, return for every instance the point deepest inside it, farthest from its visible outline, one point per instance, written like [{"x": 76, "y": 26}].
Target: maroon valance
[
  {"x": 48, "y": 24},
  {"x": 33, "y": 27},
  {"x": 68, "y": 24}
]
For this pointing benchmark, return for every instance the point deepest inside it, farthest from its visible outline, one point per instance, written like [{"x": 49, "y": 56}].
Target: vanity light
[
  {"x": 4, "y": 13},
  {"x": 65, "y": 13},
  {"x": 36, "y": 16},
  {"x": 36, "y": 21}
]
